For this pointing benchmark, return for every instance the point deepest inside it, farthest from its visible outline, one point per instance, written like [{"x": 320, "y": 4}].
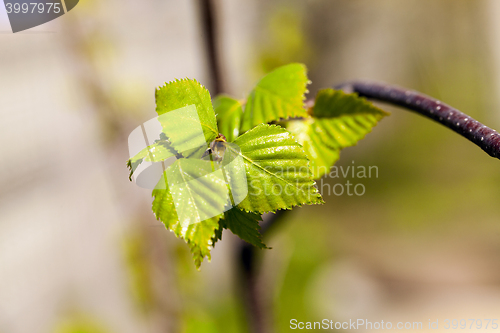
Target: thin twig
[
  {"x": 249, "y": 291},
  {"x": 484, "y": 137}
]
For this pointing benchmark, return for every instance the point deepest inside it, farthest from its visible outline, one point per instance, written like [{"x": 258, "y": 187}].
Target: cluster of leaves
[{"x": 282, "y": 143}]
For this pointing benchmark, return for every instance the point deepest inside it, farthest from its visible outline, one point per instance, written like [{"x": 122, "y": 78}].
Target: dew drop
[{"x": 438, "y": 108}]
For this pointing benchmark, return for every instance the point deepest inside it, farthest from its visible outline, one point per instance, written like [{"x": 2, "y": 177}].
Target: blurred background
[{"x": 81, "y": 251}]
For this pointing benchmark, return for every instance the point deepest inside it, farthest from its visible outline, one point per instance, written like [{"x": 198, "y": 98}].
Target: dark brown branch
[
  {"x": 249, "y": 289},
  {"x": 257, "y": 309},
  {"x": 484, "y": 137},
  {"x": 209, "y": 29}
]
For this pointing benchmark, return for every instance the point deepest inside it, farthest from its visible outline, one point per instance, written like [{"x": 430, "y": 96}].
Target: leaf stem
[{"x": 481, "y": 135}]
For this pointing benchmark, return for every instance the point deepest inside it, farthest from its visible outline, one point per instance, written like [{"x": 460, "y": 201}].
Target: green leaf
[
  {"x": 181, "y": 93},
  {"x": 228, "y": 111},
  {"x": 182, "y": 130},
  {"x": 339, "y": 120},
  {"x": 135, "y": 161},
  {"x": 218, "y": 233},
  {"x": 336, "y": 103},
  {"x": 278, "y": 95},
  {"x": 244, "y": 225},
  {"x": 189, "y": 192},
  {"x": 199, "y": 191},
  {"x": 278, "y": 174},
  {"x": 158, "y": 151}
]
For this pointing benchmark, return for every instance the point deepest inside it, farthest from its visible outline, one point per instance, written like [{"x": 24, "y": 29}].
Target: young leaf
[
  {"x": 180, "y": 131},
  {"x": 244, "y": 225},
  {"x": 339, "y": 120},
  {"x": 199, "y": 192},
  {"x": 186, "y": 194},
  {"x": 181, "y": 93},
  {"x": 229, "y": 112},
  {"x": 198, "y": 236},
  {"x": 278, "y": 95},
  {"x": 278, "y": 174}
]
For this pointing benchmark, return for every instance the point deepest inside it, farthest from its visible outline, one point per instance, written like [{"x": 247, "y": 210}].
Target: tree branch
[
  {"x": 484, "y": 137},
  {"x": 247, "y": 272}
]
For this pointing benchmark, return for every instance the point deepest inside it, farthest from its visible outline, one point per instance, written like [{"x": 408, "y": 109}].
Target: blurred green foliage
[
  {"x": 284, "y": 40},
  {"x": 203, "y": 308},
  {"x": 135, "y": 250},
  {"x": 80, "y": 324}
]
